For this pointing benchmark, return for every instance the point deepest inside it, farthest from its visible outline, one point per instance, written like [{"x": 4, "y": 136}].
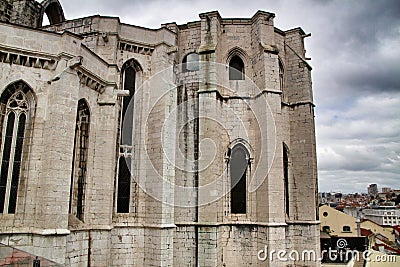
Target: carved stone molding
[
  {"x": 27, "y": 60},
  {"x": 136, "y": 48},
  {"x": 90, "y": 81}
]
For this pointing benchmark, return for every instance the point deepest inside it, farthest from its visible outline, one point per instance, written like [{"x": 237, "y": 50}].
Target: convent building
[{"x": 186, "y": 145}]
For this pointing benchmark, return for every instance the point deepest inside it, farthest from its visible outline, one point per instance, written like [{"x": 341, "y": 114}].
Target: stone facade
[{"x": 187, "y": 123}]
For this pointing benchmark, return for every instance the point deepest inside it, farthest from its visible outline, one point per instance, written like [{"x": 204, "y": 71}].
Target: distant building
[
  {"x": 337, "y": 223},
  {"x": 373, "y": 189},
  {"x": 325, "y": 198},
  {"x": 386, "y": 190},
  {"x": 353, "y": 211},
  {"x": 383, "y": 215},
  {"x": 338, "y": 197},
  {"x": 376, "y": 229},
  {"x": 396, "y": 230}
]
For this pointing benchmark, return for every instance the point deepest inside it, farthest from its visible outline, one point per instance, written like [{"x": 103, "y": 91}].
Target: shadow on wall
[{"x": 10, "y": 256}]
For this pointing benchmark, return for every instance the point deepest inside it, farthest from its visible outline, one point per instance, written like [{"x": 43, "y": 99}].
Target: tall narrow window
[
  {"x": 281, "y": 75},
  {"x": 236, "y": 68},
  {"x": 16, "y": 105},
  {"x": 125, "y": 150},
  {"x": 286, "y": 178},
  {"x": 79, "y": 163},
  {"x": 238, "y": 169}
]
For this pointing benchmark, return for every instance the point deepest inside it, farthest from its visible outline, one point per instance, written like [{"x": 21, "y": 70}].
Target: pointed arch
[
  {"x": 237, "y": 60},
  {"x": 131, "y": 72},
  {"x": 17, "y": 108},
  {"x": 243, "y": 142},
  {"x": 237, "y": 51},
  {"x": 133, "y": 63},
  {"x": 238, "y": 165},
  {"x": 53, "y": 10},
  {"x": 79, "y": 160},
  {"x": 281, "y": 74}
]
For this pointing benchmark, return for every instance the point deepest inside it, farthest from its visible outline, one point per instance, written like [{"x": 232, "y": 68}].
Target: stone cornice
[
  {"x": 27, "y": 58},
  {"x": 137, "y": 48},
  {"x": 91, "y": 80}
]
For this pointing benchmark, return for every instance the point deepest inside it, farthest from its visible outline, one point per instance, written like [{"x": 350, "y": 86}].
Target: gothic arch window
[
  {"x": 190, "y": 62},
  {"x": 286, "y": 178},
  {"x": 17, "y": 108},
  {"x": 236, "y": 68},
  {"x": 239, "y": 161},
  {"x": 79, "y": 162},
  {"x": 130, "y": 72},
  {"x": 52, "y": 11},
  {"x": 281, "y": 75}
]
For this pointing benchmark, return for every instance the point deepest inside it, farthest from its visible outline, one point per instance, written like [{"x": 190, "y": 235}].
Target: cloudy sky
[{"x": 355, "y": 51}]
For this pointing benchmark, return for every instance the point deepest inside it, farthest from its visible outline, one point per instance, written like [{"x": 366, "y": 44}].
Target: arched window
[
  {"x": 238, "y": 170},
  {"x": 190, "y": 62},
  {"x": 281, "y": 75},
  {"x": 236, "y": 68},
  {"x": 286, "y": 178},
  {"x": 129, "y": 73},
  {"x": 17, "y": 108},
  {"x": 79, "y": 161},
  {"x": 52, "y": 12}
]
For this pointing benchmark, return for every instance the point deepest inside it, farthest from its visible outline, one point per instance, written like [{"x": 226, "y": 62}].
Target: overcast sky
[{"x": 355, "y": 51}]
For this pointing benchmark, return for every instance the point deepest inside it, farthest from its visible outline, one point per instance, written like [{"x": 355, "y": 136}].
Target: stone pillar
[
  {"x": 58, "y": 140},
  {"x": 159, "y": 155},
  {"x": 209, "y": 142},
  {"x": 302, "y": 126}
]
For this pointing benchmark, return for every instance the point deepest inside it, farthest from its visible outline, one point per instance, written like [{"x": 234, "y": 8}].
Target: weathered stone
[{"x": 186, "y": 125}]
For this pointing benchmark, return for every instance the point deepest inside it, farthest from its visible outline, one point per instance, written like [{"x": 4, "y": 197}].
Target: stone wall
[
  {"x": 185, "y": 125},
  {"x": 5, "y": 11},
  {"x": 27, "y": 13}
]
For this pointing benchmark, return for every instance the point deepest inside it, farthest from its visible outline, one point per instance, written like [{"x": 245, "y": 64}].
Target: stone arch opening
[
  {"x": 237, "y": 60},
  {"x": 79, "y": 161},
  {"x": 17, "y": 107},
  {"x": 239, "y": 162},
  {"x": 281, "y": 75},
  {"x": 131, "y": 73},
  {"x": 52, "y": 10}
]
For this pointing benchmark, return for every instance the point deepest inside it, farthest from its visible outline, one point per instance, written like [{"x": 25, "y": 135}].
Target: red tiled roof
[
  {"x": 366, "y": 232},
  {"x": 387, "y": 247}
]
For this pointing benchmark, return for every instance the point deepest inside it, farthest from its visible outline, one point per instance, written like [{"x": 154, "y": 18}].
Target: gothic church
[{"x": 186, "y": 145}]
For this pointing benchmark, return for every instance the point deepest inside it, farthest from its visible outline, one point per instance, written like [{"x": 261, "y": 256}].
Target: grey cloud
[{"x": 361, "y": 141}]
